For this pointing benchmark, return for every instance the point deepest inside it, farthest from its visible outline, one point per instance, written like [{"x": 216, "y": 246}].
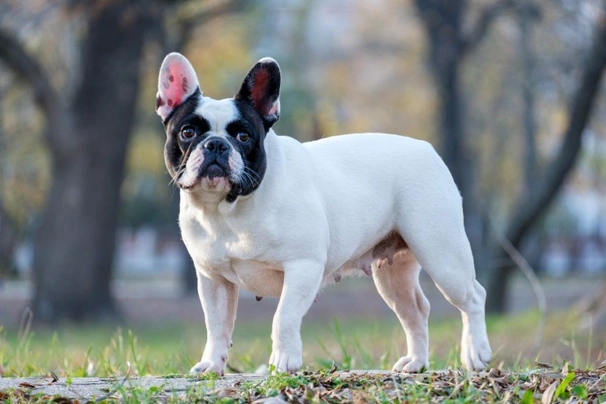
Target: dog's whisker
[
  {"x": 250, "y": 177},
  {"x": 181, "y": 167}
]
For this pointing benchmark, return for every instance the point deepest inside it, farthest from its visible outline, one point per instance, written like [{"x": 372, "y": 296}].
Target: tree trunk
[
  {"x": 447, "y": 49},
  {"x": 528, "y": 112},
  {"x": 8, "y": 243},
  {"x": 8, "y": 230},
  {"x": 442, "y": 22},
  {"x": 74, "y": 248}
]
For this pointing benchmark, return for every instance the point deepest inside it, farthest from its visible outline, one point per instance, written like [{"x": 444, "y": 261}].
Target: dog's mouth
[
  {"x": 213, "y": 176},
  {"x": 214, "y": 171}
]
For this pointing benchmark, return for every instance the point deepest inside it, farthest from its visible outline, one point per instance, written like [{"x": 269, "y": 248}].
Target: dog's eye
[
  {"x": 188, "y": 132},
  {"x": 243, "y": 137}
]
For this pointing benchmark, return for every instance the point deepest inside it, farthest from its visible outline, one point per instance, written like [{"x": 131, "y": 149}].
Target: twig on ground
[
  {"x": 118, "y": 387},
  {"x": 530, "y": 275}
]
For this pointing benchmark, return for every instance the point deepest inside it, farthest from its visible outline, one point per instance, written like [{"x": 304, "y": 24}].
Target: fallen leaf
[
  {"x": 55, "y": 378},
  {"x": 494, "y": 373},
  {"x": 547, "y": 396},
  {"x": 28, "y": 385},
  {"x": 543, "y": 365},
  {"x": 271, "y": 400}
]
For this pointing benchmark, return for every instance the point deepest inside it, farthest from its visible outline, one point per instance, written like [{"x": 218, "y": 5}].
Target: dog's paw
[
  {"x": 207, "y": 367},
  {"x": 476, "y": 358},
  {"x": 285, "y": 362},
  {"x": 408, "y": 364}
]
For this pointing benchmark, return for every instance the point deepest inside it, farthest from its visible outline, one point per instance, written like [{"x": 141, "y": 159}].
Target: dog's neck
[{"x": 207, "y": 202}]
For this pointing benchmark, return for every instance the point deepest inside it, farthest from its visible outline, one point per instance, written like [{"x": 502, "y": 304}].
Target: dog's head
[{"x": 217, "y": 146}]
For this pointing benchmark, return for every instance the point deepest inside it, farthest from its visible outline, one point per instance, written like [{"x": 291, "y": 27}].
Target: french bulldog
[{"x": 281, "y": 218}]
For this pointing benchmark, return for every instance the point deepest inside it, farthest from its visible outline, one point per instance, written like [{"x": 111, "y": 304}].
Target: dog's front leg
[
  {"x": 302, "y": 281},
  {"x": 219, "y": 300}
]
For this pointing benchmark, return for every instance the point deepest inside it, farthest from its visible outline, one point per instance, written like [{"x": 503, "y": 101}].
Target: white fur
[
  {"x": 190, "y": 173},
  {"x": 218, "y": 113},
  {"x": 319, "y": 211}
]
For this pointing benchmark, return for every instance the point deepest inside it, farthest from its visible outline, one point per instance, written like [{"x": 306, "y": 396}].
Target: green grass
[
  {"x": 574, "y": 368},
  {"x": 348, "y": 343}
]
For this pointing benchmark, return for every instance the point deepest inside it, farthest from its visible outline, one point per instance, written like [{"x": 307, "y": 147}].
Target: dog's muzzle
[
  {"x": 216, "y": 145},
  {"x": 216, "y": 158}
]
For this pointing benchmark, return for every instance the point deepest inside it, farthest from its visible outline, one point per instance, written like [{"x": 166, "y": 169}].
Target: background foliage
[{"x": 493, "y": 84}]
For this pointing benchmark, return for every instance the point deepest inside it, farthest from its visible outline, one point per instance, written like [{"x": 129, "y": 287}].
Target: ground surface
[{"x": 546, "y": 385}]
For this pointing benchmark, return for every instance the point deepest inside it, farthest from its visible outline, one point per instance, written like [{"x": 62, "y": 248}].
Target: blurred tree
[
  {"x": 87, "y": 136},
  {"x": 449, "y": 44},
  {"x": 531, "y": 205},
  {"x": 8, "y": 228},
  {"x": 8, "y": 233},
  {"x": 526, "y": 15},
  {"x": 23, "y": 158}
]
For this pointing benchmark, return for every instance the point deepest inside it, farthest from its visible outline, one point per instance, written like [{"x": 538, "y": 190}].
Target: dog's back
[{"x": 371, "y": 184}]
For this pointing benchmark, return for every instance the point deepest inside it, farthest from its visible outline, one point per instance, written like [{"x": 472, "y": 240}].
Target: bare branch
[
  {"x": 527, "y": 59},
  {"x": 532, "y": 278},
  {"x": 209, "y": 13},
  {"x": 487, "y": 17},
  {"x": 186, "y": 24},
  {"x": 26, "y": 67}
]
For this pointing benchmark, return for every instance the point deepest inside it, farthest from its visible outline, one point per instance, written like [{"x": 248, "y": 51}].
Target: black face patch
[
  {"x": 246, "y": 133},
  {"x": 253, "y": 152},
  {"x": 174, "y": 150}
]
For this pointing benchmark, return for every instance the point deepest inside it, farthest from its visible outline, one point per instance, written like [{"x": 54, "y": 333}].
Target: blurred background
[{"x": 510, "y": 92}]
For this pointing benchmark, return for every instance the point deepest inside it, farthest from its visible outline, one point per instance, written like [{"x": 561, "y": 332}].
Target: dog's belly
[
  {"x": 260, "y": 278},
  {"x": 381, "y": 254}
]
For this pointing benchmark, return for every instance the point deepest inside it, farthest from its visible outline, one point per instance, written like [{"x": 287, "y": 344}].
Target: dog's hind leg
[
  {"x": 448, "y": 260},
  {"x": 398, "y": 284},
  {"x": 430, "y": 220},
  {"x": 464, "y": 292}
]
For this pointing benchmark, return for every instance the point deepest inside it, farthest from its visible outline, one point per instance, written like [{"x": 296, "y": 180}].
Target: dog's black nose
[{"x": 216, "y": 144}]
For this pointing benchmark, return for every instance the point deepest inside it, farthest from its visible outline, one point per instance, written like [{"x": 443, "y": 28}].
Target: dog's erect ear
[
  {"x": 176, "y": 82},
  {"x": 261, "y": 87}
]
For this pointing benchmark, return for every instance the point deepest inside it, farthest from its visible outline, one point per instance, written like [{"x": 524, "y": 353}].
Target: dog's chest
[
  {"x": 233, "y": 252},
  {"x": 213, "y": 243}
]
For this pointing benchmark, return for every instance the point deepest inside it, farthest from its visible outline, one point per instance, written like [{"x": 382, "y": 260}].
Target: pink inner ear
[
  {"x": 258, "y": 91},
  {"x": 274, "y": 109},
  {"x": 174, "y": 85}
]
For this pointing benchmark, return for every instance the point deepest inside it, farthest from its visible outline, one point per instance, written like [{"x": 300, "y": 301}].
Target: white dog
[{"x": 280, "y": 218}]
